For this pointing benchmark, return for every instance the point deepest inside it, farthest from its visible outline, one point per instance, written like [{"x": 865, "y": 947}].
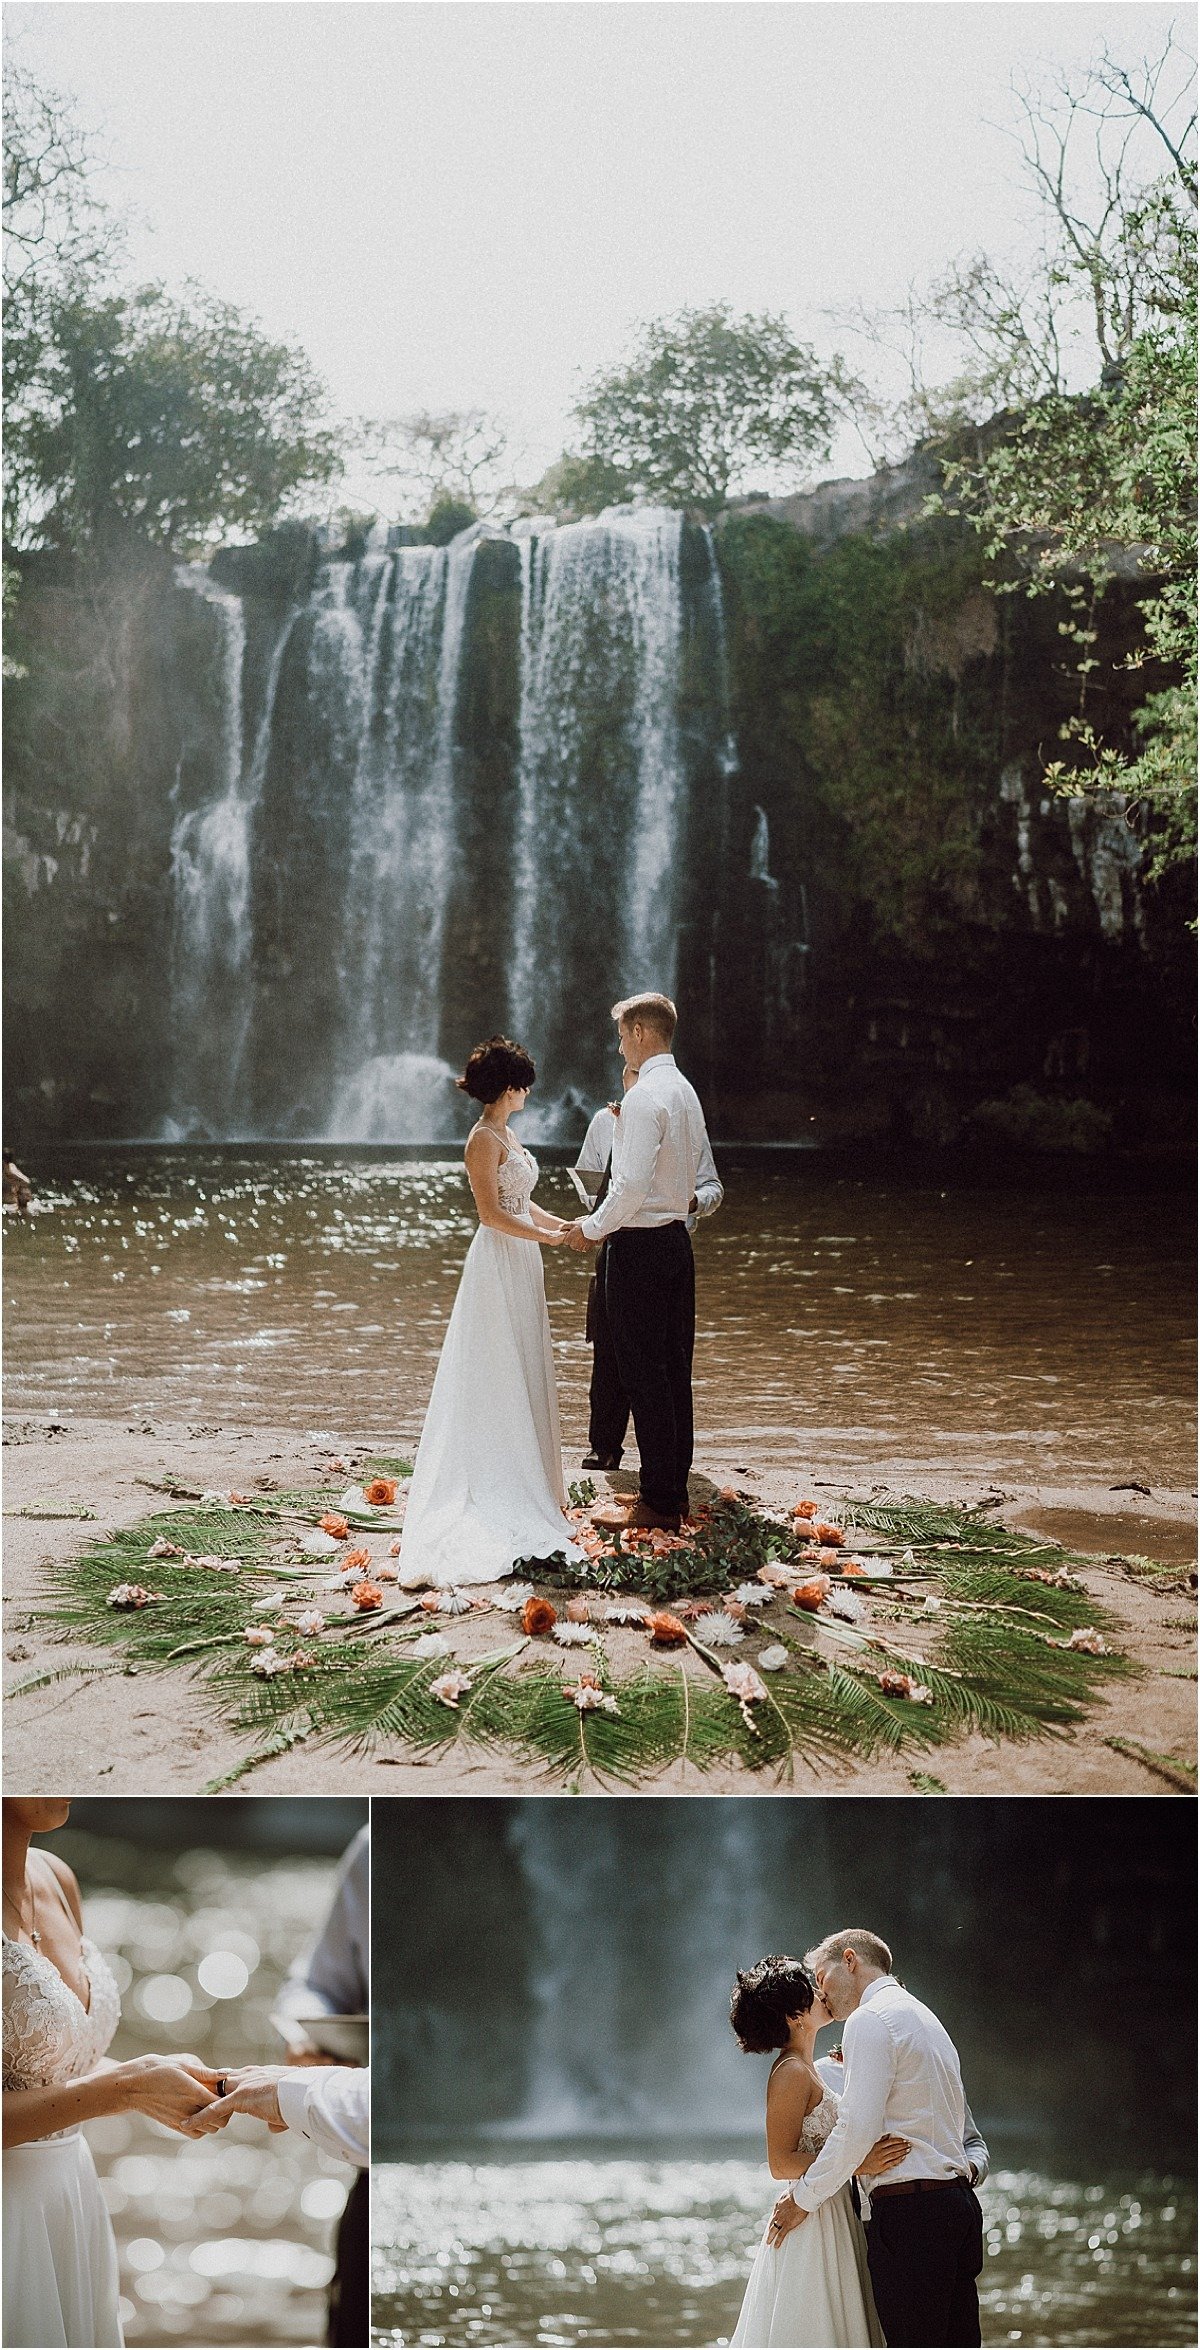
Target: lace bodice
[
  {"x": 518, "y": 1172},
  {"x": 49, "y": 2036},
  {"x": 817, "y": 2125}
]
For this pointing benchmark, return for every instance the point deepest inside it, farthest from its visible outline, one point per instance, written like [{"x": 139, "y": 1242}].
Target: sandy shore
[{"x": 123, "y": 1735}]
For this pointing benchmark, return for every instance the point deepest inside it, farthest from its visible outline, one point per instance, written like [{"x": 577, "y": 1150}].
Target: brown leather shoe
[{"x": 636, "y": 1517}]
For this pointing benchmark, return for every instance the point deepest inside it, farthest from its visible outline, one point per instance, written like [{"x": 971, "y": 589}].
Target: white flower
[
  {"x": 846, "y": 1604},
  {"x": 589, "y": 1697},
  {"x": 719, "y": 1630},
  {"x": 753, "y": 1595},
  {"x": 513, "y": 1597},
  {"x": 919, "y": 1694},
  {"x": 1088, "y": 1639},
  {"x": 571, "y": 1635},
  {"x": 931, "y": 1607},
  {"x": 448, "y": 1603},
  {"x": 269, "y": 1663},
  {"x": 450, "y": 1687},
  {"x": 316, "y": 1543},
  {"x": 773, "y": 1659},
  {"x": 214, "y": 1501},
  {"x": 312, "y": 1620},
  {"x": 431, "y": 1644},
  {"x": 743, "y": 1683},
  {"x": 267, "y": 1606},
  {"x": 259, "y": 1636},
  {"x": 617, "y": 1613}
]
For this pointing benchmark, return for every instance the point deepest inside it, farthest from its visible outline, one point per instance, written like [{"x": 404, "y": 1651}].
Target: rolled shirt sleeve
[
  {"x": 331, "y": 2104},
  {"x": 870, "y": 2063},
  {"x": 710, "y": 1191},
  {"x": 975, "y": 2148},
  {"x": 643, "y": 1122}
]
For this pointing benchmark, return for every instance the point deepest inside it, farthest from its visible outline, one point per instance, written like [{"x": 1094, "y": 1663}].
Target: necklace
[{"x": 34, "y": 1934}]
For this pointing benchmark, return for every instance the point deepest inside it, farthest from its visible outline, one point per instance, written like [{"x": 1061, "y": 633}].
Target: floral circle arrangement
[{"x": 755, "y": 1635}]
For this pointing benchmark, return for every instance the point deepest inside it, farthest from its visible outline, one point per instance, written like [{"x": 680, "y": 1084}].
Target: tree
[
  {"x": 706, "y": 402},
  {"x": 1081, "y": 370},
  {"x": 457, "y": 456},
  {"x": 160, "y": 420}
]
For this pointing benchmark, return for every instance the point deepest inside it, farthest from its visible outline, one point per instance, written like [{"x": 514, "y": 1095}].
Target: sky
[{"x": 453, "y": 204}]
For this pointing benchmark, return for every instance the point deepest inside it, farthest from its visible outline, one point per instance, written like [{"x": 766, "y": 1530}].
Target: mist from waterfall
[{"x": 636, "y": 1938}]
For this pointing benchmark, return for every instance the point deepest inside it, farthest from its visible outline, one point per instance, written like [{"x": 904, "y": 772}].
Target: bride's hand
[
  {"x": 170, "y": 2089},
  {"x": 884, "y": 2155}
]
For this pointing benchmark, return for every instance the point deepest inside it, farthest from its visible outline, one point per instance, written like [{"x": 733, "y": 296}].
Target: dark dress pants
[
  {"x": 925, "y": 2253},
  {"x": 350, "y": 2293},
  {"x": 608, "y": 1404},
  {"x": 650, "y": 1295}
]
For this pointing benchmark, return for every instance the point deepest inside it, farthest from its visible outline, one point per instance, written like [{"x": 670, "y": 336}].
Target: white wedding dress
[
  {"x": 60, "y": 2255},
  {"x": 487, "y": 1486},
  {"x": 813, "y": 2291}
]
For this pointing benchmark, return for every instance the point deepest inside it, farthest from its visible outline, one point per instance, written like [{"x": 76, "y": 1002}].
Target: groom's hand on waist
[{"x": 786, "y": 2216}]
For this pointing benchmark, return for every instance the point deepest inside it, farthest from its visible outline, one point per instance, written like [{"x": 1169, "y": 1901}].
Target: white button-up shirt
[
  {"x": 331, "y": 2104},
  {"x": 832, "y": 2072},
  {"x": 661, "y": 1156},
  {"x": 902, "y": 2078}
]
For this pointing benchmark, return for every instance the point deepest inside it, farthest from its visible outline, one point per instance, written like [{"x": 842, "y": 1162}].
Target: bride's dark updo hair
[
  {"x": 764, "y": 1998},
  {"x": 493, "y": 1068}
]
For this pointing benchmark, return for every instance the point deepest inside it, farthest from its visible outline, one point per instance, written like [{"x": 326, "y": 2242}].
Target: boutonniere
[{"x": 836, "y": 2056}]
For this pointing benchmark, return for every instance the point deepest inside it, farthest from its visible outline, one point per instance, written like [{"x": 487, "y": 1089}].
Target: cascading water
[
  {"x": 636, "y": 1938},
  {"x": 466, "y": 807},
  {"x": 601, "y": 778},
  {"x": 210, "y": 875}
]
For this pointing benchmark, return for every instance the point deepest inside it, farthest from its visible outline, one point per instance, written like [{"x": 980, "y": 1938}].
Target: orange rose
[
  {"x": 381, "y": 1492},
  {"x": 810, "y": 1595},
  {"x": 853, "y": 1567},
  {"x": 367, "y": 1595},
  {"x": 803, "y": 1530},
  {"x": 830, "y": 1534},
  {"x": 666, "y": 1630},
  {"x": 537, "y": 1615},
  {"x": 355, "y": 1559},
  {"x": 728, "y": 1493},
  {"x": 805, "y": 1509},
  {"x": 338, "y": 1527}
]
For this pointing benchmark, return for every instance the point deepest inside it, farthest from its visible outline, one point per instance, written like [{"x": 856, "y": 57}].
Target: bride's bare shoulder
[
  {"x": 67, "y": 1882},
  {"x": 483, "y": 1142}
]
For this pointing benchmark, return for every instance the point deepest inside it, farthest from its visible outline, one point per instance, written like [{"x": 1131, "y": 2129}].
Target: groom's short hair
[
  {"x": 654, "y": 1011},
  {"x": 866, "y": 1946}
]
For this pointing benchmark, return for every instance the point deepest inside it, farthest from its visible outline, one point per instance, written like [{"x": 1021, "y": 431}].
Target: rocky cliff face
[{"x": 882, "y": 926}]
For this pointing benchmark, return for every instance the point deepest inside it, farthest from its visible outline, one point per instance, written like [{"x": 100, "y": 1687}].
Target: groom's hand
[
  {"x": 786, "y": 2216},
  {"x": 254, "y": 2091},
  {"x": 577, "y": 1238}
]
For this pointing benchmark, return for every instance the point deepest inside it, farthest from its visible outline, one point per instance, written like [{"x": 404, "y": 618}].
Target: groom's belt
[{"x": 920, "y": 2186}]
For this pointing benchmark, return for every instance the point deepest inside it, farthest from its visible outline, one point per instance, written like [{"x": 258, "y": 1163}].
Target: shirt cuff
[{"x": 292, "y": 2090}]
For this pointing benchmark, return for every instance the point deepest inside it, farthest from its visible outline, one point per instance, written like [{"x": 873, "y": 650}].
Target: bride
[
  {"x": 487, "y": 1487},
  {"x": 814, "y": 2288},
  {"x": 61, "y": 2009}
]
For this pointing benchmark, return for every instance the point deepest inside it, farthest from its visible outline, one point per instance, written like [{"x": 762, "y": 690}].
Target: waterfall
[
  {"x": 601, "y": 780},
  {"x": 459, "y": 802},
  {"x": 638, "y": 1930},
  {"x": 210, "y": 878},
  {"x": 402, "y": 847},
  {"x": 760, "y": 851}
]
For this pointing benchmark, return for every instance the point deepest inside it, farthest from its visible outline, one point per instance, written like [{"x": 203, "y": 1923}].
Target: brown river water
[{"x": 853, "y": 1320}]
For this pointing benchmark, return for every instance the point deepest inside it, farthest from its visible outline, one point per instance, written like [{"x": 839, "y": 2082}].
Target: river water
[
  {"x": 852, "y": 1319},
  {"x": 640, "y": 2249}
]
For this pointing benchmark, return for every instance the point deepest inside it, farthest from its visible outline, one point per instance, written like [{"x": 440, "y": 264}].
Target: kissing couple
[
  {"x": 487, "y": 1488},
  {"x": 878, "y": 2239}
]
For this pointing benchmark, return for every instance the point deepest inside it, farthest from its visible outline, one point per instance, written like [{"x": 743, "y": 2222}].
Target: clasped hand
[
  {"x": 254, "y": 2089},
  {"x": 576, "y": 1238}
]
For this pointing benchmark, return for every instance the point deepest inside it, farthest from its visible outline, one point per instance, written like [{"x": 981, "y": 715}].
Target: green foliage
[
  {"x": 1029, "y": 1120},
  {"x": 992, "y": 1658},
  {"x": 447, "y": 516},
  {"x": 858, "y": 677},
  {"x": 160, "y": 420},
  {"x": 706, "y": 401}
]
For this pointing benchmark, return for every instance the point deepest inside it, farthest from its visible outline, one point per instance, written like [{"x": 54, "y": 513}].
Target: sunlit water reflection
[
  {"x": 641, "y": 2250},
  {"x": 222, "y": 2240},
  {"x": 844, "y": 1318}
]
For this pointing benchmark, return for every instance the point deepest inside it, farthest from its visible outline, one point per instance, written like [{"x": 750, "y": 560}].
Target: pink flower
[
  {"x": 589, "y": 1697},
  {"x": 259, "y": 1636},
  {"x": 743, "y": 1683},
  {"x": 450, "y": 1687}
]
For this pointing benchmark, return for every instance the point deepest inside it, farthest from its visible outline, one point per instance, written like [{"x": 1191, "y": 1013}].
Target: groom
[
  {"x": 662, "y": 1177},
  {"x": 925, "y": 2232}
]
